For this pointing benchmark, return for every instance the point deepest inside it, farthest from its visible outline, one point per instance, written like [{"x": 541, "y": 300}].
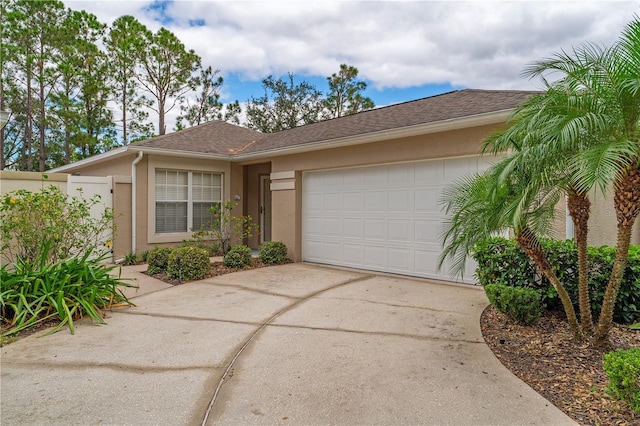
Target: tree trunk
[
  {"x": 579, "y": 206},
  {"x": 161, "y": 125},
  {"x": 627, "y": 204},
  {"x": 531, "y": 246}
]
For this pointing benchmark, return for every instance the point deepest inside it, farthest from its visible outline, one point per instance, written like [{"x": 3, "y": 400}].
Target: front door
[{"x": 265, "y": 208}]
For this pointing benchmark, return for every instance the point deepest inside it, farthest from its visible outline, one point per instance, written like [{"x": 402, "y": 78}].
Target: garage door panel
[
  {"x": 383, "y": 218},
  {"x": 400, "y": 200},
  {"x": 374, "y": 229},
  {"x": 332, "y": 227},
  {"x": 374, "y": 177},
  {"x": 400, "y": 230},
  {"x": 352, "y": 254},
  {"x": 400, "y": 260},
  {"x": 426, "y": 263},
  {"x": 400, "y": 174},
  {"x": 429, "y": 172},
  {"x": 353, "y": 227},
  {"x": 375, "y": 201},
  {"x": 353, "y": 202},
  {"x": 424, "y": 200},
  {"x": 313, "y": 227},
  {"x": 427, "y": 231},
  {"x": 375, "y": 256}
]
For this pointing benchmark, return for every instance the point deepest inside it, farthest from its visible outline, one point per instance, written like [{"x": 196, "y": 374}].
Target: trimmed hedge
[
  {"x": 521, "y": 304},
  {"x": 188, "y": 263},
  {"x": 238, "y": 257},
  {"x": 502, "y": 261},
  {"x": 273, "y": 253},
  {"x": 623, "y": 369},
  {"x": 157, "y": 260}
]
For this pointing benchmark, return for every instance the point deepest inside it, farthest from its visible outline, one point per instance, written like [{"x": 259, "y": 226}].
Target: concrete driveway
[{"x": 296, "y": 344}]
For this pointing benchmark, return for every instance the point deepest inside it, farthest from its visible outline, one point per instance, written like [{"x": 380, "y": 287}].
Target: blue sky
[{"x": 404, "y": 50}]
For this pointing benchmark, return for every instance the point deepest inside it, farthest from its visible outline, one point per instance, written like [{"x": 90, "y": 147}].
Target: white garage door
[{"x": 382, "y": 218}]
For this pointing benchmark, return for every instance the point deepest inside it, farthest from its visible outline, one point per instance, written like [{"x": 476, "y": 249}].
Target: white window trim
[{"x": 171, "y": 163}]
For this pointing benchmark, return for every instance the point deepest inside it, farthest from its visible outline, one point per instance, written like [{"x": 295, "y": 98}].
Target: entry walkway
[{"x": 293, "y": 344}]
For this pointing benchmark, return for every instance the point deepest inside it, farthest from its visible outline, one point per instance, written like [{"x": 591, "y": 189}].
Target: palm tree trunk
[
  {"x": 627, "y": 204},
  {"x": 531, "y": 246},
  {"x": 579, "y": 206},
  {"x": 611, "y": 293}
]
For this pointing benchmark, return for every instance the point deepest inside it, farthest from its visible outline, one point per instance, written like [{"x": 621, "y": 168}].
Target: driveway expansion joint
[{"x": 230, "y": 367}]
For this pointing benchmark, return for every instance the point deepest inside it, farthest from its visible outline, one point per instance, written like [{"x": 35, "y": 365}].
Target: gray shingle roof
[
  {"x": 213, "y": 137},
  {"x": 451, "y": 105},
  {"x": 217, "y": 137}
]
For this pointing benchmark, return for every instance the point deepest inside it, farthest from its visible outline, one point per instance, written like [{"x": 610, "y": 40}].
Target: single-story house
[{"x": 358, "y": 191}]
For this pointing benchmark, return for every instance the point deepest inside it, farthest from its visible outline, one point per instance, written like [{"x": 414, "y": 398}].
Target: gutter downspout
[{"x": 134, "y": 194}]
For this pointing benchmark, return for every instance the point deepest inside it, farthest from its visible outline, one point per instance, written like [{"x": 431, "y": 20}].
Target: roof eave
[
  {"x": 180, "y": 153},
  {"x": 109, "y": 155},
  {"x": 495, "y": 117}
]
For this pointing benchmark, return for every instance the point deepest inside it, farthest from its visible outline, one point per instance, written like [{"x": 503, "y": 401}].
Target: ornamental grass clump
[
  {"x": 35, "y": 291},
  {"x": 188, "y": 263}
]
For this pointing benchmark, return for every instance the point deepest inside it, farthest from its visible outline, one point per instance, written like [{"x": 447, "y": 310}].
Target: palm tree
[
  {"x": 586, "y": 128},
  {"x": 605, "y": 87},
  {"x": 499, "y": 199},
  {"x": 538, "y": 130}
]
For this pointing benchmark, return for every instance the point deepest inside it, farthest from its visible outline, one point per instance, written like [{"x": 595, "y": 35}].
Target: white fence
[{"x": 75, "y": 186}]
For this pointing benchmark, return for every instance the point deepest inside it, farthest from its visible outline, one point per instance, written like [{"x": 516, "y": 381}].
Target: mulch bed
[
  {"x": 217, "y": 268},
  {"x": 566, "y": 372}
]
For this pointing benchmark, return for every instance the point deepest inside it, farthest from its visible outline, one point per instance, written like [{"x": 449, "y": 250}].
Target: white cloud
[{"x": 394, "y": 44}]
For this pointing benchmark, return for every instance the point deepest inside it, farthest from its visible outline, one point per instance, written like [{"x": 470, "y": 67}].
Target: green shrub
[
  {"x": 623, "y": 369},
  {"x": 144, "y": 256},
  {"x": 157, "y": 260},
  {"x": 238, "y": 257},
  {"x": 211, "y": 248},
  {"x": 521, "y": 304},
  {"x": 27, "y": 219},
  {"x": 188, "y": 263},
  {"x": 502, "y": 261},
  {"x": 130, "y": 259},
  {"x": 273, "y": 253},
  {"x": 69, "y": 289}
]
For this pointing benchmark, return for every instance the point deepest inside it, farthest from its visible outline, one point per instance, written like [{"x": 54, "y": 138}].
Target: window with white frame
[{"x": 183, "y": 199}]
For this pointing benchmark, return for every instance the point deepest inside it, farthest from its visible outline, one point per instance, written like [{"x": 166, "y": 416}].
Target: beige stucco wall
[
  {"x": 287, "y": 203},
  {"x": 602, "y": 222},
  {"x": 31, "y": 181},
  {"x": 122, "y": 216},
  {"x": 438, "y": 145},
  {"x": 120, "y": 166}
]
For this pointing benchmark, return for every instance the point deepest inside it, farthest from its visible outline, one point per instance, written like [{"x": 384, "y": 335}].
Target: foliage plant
[
  {"x": 238, "y": 257},
  {"x": 226, "y": 228},
  {"x": 273, "y": 253},
  {"x": 521, "y": 304},
  {"x": 130, "y": 259},
  {"x": 502, "y": 261},
  {"x": 67, "y": 290},
  {"x": 29, "y": 218},
  {"x": 623, "y": 369},
  {"x": 188, "y": 263},
  {"x": 157, "y": 260},
  {"x": 581, "y": 135}
]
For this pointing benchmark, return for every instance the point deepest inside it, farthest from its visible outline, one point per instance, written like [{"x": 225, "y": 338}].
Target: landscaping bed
[
  {"x": 566, "y": 372},
  {"x": 217, "y": 268}
]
